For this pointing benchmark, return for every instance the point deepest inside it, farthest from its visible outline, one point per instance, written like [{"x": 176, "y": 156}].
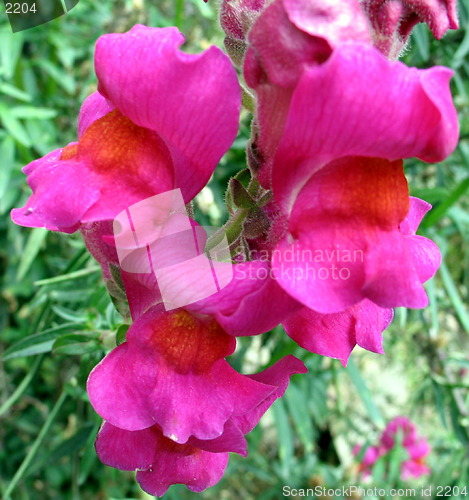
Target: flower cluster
[
  {"x": 398, "y": 432},
  {"x": 321, "y": 234}
]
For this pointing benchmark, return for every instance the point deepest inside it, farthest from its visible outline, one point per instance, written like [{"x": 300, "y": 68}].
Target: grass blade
[{"x": 35, "y": 447}]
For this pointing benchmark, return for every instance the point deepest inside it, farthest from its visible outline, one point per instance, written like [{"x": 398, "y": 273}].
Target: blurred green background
[{"x": 57, "y": 322}]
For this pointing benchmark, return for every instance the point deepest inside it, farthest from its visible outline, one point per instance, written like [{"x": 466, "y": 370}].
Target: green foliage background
[{"x": 57, "y": 322}]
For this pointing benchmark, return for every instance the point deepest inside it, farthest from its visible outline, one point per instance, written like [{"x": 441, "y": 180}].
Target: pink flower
[
  {"x": 161, "y": 119},
  {"x": 340, "y": 185},
  {"x": 371, "y": 455},
  {"x": 331, "y": 151},
  {"x": 417, "y": 448},
  {"x": 171, "y": 372},
  {"x": 393, "y": 20},
  {"x": 199, "y": 464}
]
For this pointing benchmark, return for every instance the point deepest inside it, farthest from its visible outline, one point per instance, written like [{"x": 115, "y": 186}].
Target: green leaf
[
  {"x": 32, "y": 248},
  {"x": 89, "y": 457},
  {"x": 7, "y": 155},
  {"x": 37, "y": 343},
  {"x": 178, "y": 16},
  {"x": 285, "y": 437},
  {"x": 75, "y": 344},
  {"x": 70, "y": 314},
  {"x": 33, "y": 112},
  {"x": 396, "y": 456},
  {"x": 65, "y": 448},
  {"x": 440, "y": 210},
  {"x": 301, "y": 417},
  {"x": 420, "y": 35},
  {"x": 379, "y": 470},
  {"x": 14, "y": 127},
  {"x": 10, "y": 51},
  {"x": 463, "y": 49},
  {"x": 440, "y": 402},
  {"x": 241, "y": 198},
  {"x": 22, "y": 387},
  {"x": 121, "y": 333},
  {"x": 35, "y": 446},
  {"x": 459, "y": 430},
  {"x": 364, "y": 392},
  {"x": 454, "y": 296},
  {"x": 69, "y": 276},
  {"x": 61, "y": 77},
  {"x": 10, "y": 90}
]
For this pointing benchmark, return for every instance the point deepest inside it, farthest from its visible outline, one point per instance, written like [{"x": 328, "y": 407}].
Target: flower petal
[
  {"x": 95, "y": 106},
  {"x": 118, "y": 388},
  {"x": 344, "y": 242},
  {"x": 60, "y": 198},
  {"x": 404, "y": 113},
  {"x": 191, "y": 101},
  {"x": 335, "y": 335},
  {"x": 127, "y": 450},
  {"x": 159, "y": 461},
  {"x": 251, "y": 304},
  {"x": 171, "y": 372},
  {"x": 177, "y": 464},
  {"x": 277, "y": 375}
]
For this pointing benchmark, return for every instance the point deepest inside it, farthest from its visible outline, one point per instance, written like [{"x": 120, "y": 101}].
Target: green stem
[
  {"x": 454, "y": 296},
  {"x": 35, "y": 447},
  {"x": 69, "y": 276},
  {"x": 22, "y": 387},
  {"x": 231, "y": 229},
  {"x": 179, "y": 13},
  {"x": 247, "y": 99}
]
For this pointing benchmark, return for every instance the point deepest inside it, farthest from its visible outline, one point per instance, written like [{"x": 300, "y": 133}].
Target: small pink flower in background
[
  {"x": 416, "y": 447},
  {"x": 161, "y": 119},
  {"x": 393, "y": 20}
]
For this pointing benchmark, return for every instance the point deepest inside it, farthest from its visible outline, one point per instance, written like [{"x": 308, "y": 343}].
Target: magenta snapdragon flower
[
  {"x": 350, "y": 230},
  {"x": 343, "y": 240},
  {"x": 151, "y": 127},
  {"x": 160, "y": 461},
  {"x": 171, "y": 371}
]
